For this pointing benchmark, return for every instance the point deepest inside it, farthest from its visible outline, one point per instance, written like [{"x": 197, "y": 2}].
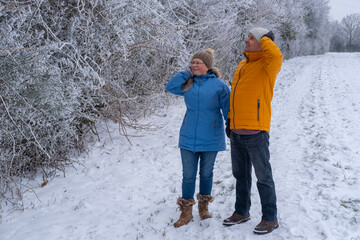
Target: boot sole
[
  {"x": 228, "y": 224},
  {"x": 265, "y": 231},
  {"x": 184, "y": 224}
]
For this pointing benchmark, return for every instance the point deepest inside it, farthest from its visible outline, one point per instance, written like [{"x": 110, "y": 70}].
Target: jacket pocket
[
  {"x": 258, "y": 109},
  {"x": 216, "y": 128}
]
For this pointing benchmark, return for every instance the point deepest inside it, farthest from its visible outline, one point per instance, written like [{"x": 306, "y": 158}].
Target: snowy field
[{"x": 129, "y": 191}]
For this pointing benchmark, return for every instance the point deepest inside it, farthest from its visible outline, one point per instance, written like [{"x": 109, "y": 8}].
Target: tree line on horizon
[
  {"x": 346, "y": 34},
  {"x": 68, "y": 64}
]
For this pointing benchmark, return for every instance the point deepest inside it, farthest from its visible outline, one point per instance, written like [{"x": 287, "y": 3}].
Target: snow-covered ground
[{"x": 124, "y": 191}]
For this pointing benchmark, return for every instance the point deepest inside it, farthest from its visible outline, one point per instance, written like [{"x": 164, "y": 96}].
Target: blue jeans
[
  {"x": 190, "y": 164},
  {"x": 248, "y": 151}
]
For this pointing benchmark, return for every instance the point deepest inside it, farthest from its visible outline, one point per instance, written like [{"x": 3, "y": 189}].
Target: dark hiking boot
[
  {"x": 235, "y": 219},
  {"x": 265, "y": 227}
]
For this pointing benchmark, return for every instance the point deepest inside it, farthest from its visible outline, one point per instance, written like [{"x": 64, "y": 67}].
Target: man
[{"x": 249, "y": 121}]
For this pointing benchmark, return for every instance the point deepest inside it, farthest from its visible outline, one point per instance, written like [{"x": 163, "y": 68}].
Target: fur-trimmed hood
[{"x": 216, "y": 71}]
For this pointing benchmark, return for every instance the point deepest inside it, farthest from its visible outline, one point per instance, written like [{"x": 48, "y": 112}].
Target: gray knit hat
[
  {"x": 258, "y": 33},
  {"x": 207, "y": 56}
]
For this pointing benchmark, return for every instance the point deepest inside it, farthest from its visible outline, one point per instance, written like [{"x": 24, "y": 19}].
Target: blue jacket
[{"x": 203, "y": 125}]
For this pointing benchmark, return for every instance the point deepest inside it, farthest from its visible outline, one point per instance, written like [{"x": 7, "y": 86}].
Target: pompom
[{"x": 210, "y": 51}]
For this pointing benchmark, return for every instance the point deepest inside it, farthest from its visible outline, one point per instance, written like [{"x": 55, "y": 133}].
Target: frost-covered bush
[
  {"x": 66, "y": 64},
  {"x": 49, "y": 96}
]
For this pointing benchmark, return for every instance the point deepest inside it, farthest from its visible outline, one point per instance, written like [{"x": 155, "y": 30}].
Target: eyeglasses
[{"x": 196, "y": 63}]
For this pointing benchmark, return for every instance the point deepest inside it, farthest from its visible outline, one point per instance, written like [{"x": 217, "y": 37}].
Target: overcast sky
[{"x": 342, "y": 8}]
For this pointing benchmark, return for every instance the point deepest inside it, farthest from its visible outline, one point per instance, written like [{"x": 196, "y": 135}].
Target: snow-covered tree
[
  {"x": 351, "y": 28},
  {"x": 67, "y": 64}
]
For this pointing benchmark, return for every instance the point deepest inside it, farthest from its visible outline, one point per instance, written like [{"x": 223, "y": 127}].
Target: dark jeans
[
  {"x": 248, "y": 151},
  {"x": 190, "y": 162}
]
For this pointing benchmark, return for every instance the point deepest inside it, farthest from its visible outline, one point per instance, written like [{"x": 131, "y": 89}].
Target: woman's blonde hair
[{"x": 189, "y": 83}]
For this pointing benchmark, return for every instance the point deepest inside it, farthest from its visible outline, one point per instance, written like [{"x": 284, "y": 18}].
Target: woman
[{"x": 202, "y": 132}]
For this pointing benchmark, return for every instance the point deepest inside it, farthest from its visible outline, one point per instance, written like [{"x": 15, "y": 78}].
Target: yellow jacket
[{"x": 252, "y": 88}]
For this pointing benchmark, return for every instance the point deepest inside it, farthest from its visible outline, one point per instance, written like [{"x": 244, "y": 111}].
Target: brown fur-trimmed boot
[
  {"x": 186, "y": 211},
  {"x": 203, "y": 201}
]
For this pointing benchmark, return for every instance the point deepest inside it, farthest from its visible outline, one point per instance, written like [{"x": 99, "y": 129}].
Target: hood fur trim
[{"x": 216, "y": 71}]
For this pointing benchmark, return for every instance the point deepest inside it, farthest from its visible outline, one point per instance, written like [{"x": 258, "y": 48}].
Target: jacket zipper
[
  {"x": 197, "y": 115},
  {"x": 258, "y": 110},
  {"x": 247, "y": 60}
]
